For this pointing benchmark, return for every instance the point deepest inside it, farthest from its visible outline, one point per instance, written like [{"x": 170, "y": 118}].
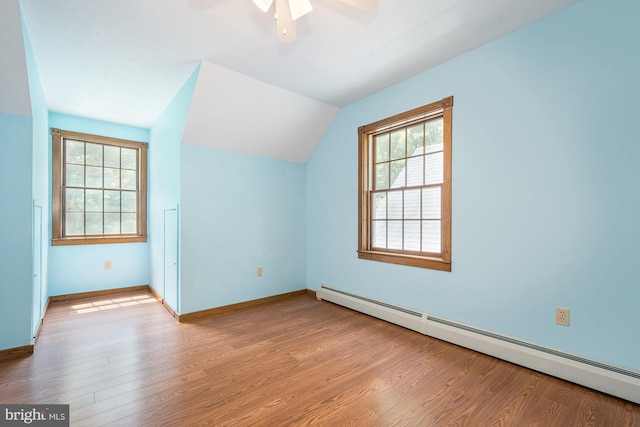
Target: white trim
[
  {"x": 623, "y": 386},
  {"x": 602, "y": 377}
]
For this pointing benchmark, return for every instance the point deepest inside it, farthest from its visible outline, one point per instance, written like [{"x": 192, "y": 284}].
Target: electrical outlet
[
  {"x": 107, "y": 265},
  {"x": 562, "y": 316},
  {"x": 259, "y": 271}
]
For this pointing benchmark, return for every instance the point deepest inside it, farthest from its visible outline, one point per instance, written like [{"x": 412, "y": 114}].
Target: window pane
[
  {"x": 398, "y": 178},
  {"x": 74, "y": 176},
  {"x": 412, "y": 204},
  {"x": 382, "y": 176},
  {"x": 395, "y": 205},
  {"x": 129, "y": 201},
  {"x": 398, "y": 144},
  {"x": 99, "y": 184},
  {"x": 435, "y": 148},
  {"x": 112, "y": 201},
  {"x": 94, "y": 200},
  {"x": 434, "y": 168},
  {"x": 74, "y": 200},
  {"x": 431, "y": 203},
  {"x": 94, "y": 223},
  {"x": 74, "y": 152},
  {"x": 382, "y": 148},
  {"x": 380, "y": 206},
  {"x": 412, "y": 235},
  {"x": 94, "y": 154},
  {"x": 129, "y": 223},
  {"x": 415, "y": 140},
  {"x": 111, "y": 178},
  {"x": 415, "y": 171},
  {"x": 74, "y": 224},
  {"x": 128, "y": 158},
  {"x": 379, "y": 234},
  {"x": 111, "y": 223},
  {"x": 435, "y": 135},
  {"x": 111, "y": 157},
  {"x": 395, "y": 235},
  {"x": 403, "y": 181},
  {"x": 128, "y": 179},
  {"x": 94, "y": 177},
  {"x": 431, "y": 236}
]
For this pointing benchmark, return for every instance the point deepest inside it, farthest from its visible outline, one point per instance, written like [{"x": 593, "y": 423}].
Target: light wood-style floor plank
[{"x": 121, "y": 360}]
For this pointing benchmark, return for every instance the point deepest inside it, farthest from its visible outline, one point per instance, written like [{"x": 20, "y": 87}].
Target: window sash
[
  {"x": 63, "y": 183},
  {"x": 421, "y": 252}
]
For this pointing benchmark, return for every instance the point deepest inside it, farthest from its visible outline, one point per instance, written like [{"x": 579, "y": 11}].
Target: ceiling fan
[{"x": 287, "y": 11}]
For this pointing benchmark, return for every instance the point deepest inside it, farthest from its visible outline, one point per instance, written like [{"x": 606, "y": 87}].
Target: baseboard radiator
[{"x": 613, "y": 380}]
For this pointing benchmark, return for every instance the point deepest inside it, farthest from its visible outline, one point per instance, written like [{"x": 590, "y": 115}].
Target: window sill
[
  {"x": 405, "y": 259},
  {"x": 97, "y": 240}
]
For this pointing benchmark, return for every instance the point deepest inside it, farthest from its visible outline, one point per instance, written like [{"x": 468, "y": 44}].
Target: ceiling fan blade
[
  {"x": 362, "y": 4},
  {"x": 264, "y": 5},
  {"x": 285, "y": 25},
  {"x": 299, "y": 8}
]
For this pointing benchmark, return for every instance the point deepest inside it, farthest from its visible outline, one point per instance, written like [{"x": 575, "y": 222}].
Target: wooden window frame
[
  {"x": 441, "y": 261},
  {"x": 58, "y": 237}
]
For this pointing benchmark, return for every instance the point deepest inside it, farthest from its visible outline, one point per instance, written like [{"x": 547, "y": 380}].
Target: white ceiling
[
  {"x": 124, "y": 60},
  {"x": 14, "y": 84},
  {"x": 254, "y": 117}
]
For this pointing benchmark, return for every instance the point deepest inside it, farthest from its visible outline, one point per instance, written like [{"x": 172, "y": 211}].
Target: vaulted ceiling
[
  {"x": 124, "y": 60},
  {"x": 14, "y": 84}
]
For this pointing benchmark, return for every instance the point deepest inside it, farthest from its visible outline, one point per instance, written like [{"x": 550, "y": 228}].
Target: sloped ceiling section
[
  {"x": 107, "y": 60},
  {"x": 14, "y": 83},
  {"x": 231, "y": 111}
]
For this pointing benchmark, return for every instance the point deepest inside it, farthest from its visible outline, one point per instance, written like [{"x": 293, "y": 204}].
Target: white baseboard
[
  {"x": 605, "y": 380},
  {"x": 613, "y": 380}
]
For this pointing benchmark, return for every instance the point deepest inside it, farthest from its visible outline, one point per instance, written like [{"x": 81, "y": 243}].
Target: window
[
  {"x": 404, "y": 206},
  {"x": 99, "y": 192}
]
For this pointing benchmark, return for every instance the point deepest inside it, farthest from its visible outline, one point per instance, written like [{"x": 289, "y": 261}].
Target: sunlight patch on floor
[{"x": 110, "y": 304}]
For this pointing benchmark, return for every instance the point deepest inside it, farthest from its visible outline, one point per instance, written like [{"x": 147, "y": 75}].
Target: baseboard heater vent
[
  {"x": 536, "y": 347},
  {"x": 614, "y": 380},
  {"x": 409, "y": 319}
]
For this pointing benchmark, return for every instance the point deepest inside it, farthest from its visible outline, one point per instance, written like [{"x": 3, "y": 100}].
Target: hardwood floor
[{"x": 123, "y": 361}]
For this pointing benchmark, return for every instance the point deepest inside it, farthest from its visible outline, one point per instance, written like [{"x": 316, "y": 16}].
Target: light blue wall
[
  {"x": 41, "y": 170},
  {"x": 546, "y": 166},
  {"x": 164, "y": 178},
  {"x": 74, "y": 269},
  {"x": 240, "y": 212},
  {"x": 16, "y": 134}
]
